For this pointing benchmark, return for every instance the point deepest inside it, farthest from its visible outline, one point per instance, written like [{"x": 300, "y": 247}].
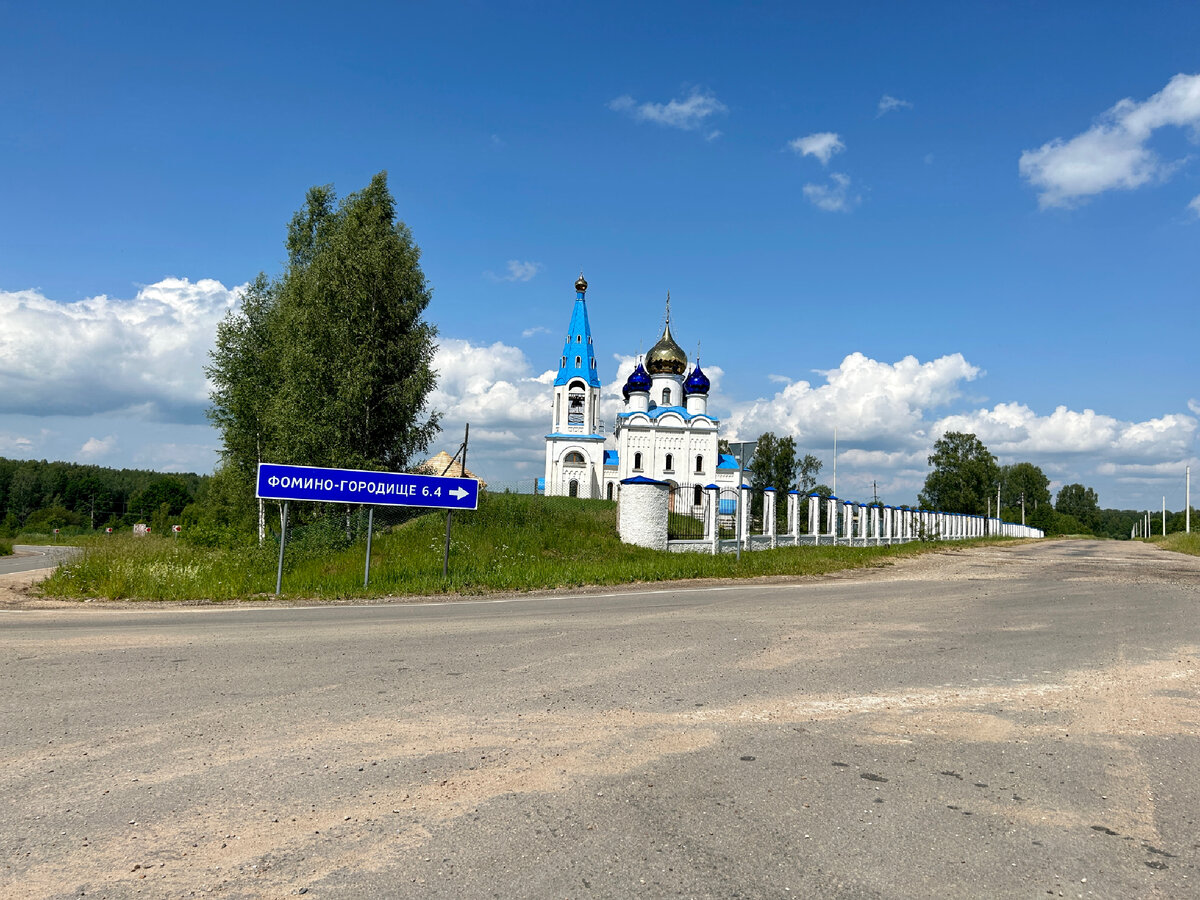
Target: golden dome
[
  {"x": 581, "y": 284},
  {"x": 666, "y": 357}
]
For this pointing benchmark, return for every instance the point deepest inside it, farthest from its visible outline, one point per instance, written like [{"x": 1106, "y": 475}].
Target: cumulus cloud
[
  {"x": 823, "y": 145},
  {"x": 1013, "y": 429},
  {"x": 517, "y": 271},
  {"x": 888, "y": 103},
  {"x": 94, "y": 448},
  {"x": 688, "y": 113},
  {"x": 1194, "y": 205},
  {"x": 835, "y": 196},
  {"x": 104, "y": 354},
  {"x": 876, "y": 404},
  {"x": 1114, "y": 152}
]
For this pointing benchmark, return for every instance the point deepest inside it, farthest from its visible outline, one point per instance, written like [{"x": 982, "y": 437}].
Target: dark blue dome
[
  {"x": 638, "y": 381},
  {"x": 697, "y": 382}
]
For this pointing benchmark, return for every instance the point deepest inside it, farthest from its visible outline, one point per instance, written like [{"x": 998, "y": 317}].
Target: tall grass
[
  {"x": 511, "y": 543},
  {"x": 5, "y": 547},
  {"x": 1180, "y": 542}
]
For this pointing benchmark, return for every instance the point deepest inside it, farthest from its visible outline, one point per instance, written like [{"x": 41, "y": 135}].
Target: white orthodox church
[{"x": 664, "y": 431}]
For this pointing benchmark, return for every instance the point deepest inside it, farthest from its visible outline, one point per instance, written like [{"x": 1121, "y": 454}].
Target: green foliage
[
  {"x": 1026, "y": 480},
  {"x": 90, "y": 494},
  {"x": 5, "y": 548},
  {"x": 330, "y": 364},
  {"x": 1078, "y": 501},
  {"x": 46, "y": 520},
  {"x": 513, "y": 542},
  {"x": 964, "y": 475},
  {"x": 1063, "y": 523},
  {"x": 775, "y": 464}
]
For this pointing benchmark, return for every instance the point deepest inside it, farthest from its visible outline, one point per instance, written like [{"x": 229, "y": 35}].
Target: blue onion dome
[
  {"x": 638, "y": 381},
  {"x": 697, "y": 382}
]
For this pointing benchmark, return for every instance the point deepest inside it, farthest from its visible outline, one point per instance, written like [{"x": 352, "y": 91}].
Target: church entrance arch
[{"x": 573, "y": 488}]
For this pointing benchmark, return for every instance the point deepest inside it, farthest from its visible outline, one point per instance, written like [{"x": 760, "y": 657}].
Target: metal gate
[{"x": 687, "y": 512}]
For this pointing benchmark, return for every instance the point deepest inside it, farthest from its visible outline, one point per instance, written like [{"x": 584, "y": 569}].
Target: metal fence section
[{"x": 688, "y": 512}]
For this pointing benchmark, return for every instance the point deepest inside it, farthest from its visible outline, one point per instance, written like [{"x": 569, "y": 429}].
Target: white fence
[{"x": 829, "y": 521}]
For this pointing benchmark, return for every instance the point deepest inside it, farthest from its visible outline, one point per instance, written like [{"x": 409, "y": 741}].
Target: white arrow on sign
[{"x": 458, "y": 492}]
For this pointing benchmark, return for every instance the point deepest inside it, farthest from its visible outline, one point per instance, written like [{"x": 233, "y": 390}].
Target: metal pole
[
  {"x": 1164, "y": 514},
  {"x": 446, "y": 549},
  {"x": 1187, "y": 516},
  {"x": 370, "y": 528},
  {"x": 282, "y": 541}
]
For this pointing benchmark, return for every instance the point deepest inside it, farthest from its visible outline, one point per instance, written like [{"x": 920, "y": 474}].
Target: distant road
[
  {"x": 27, "y": 557},
  {"x": 1019, "y": 721}
]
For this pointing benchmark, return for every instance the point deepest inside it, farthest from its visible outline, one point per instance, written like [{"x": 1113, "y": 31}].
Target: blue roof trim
[
  {"x": 578, "y": 437},
  {"x": 641, "y": 479},
  {"x": 771, "y": 489},
  {"x": 611, "y": 458},
  {"x": 793, "y": 492},
  {"x": 727, "y": 461},
  {"x": 712, "y": 487},
  {"x": 579, "y": 343},
  {"x": 680, "y": 411}
]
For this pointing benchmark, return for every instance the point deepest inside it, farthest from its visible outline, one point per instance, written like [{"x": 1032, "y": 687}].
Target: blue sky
[{"x": 826, "y": 194}]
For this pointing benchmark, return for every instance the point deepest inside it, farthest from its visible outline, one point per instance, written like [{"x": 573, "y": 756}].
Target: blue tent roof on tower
[{"x": 578, "y": 357}]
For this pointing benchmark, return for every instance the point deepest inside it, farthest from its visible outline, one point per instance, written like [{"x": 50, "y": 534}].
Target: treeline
[{"x": 39, "y": 496}]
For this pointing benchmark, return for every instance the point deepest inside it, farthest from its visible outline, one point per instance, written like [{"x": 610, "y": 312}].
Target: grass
[
  {"x": 511, "y": 543},
  {"x": 1180, "y": 542},
  {"x": 5, "y": 547}
]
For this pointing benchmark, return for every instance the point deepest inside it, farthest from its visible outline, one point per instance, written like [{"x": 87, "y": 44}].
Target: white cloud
[
  {"x": 1113, "y": 153},
  {"x": 832, "y": 197},
  {"x": 95, "y": 448},
  {"x": 1194, "y": 405},
  {"x": 823, "y": 145},
  {"x": 536, "y": 329},
  {"x": 517, "y": 271},
  {"x": 1194, "y": 205},
  {"x": 713, "y": 135},
  {"x": 18, "y": 444},
  {"x": 103, "y": 354},
  {"x": 887, "y": 420},
  {"x": 887, "y": 103},
  {"x": 871, "y": 402},
  {"x": 688, "y": 113}
]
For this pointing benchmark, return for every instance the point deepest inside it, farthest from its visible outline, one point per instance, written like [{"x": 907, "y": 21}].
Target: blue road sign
[{"x": 277, "y": 482}]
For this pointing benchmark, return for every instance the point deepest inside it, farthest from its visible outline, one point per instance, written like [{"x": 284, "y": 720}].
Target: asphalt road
[
  {"x": 1013, "y": 722},
  {"x": 27, "y": 558}
]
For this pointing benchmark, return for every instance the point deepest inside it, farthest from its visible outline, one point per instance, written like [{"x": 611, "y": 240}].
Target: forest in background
[{"x": 37, "y": 496}]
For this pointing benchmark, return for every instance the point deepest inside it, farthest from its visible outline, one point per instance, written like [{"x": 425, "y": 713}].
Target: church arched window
[
  {"x": 610, "y": 490},
  {"x": 564, "y": 363},
  {"x": 699, "y": 465},
  {"x": 670, "y": 463},
  {"x": 578, "y": 361},
  {"x": 637, "y": 462},
  {"x": 697, "y": 495},
  {"x": 666, "y": 397},
  {"x": 574, "y": 458},
  {"x": 573, "y": 488}
]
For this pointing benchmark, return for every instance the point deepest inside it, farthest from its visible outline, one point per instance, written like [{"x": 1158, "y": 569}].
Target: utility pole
[
  {"x": 1164, "y": 516},
  {"x": 835, "y": 493},
  {"x": 1022, "y": 509},
  {"x": 1187, "y": 516}
]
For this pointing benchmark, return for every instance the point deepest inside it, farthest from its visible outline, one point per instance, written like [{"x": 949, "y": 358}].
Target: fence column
[
  {"x": 814, "y": 517},
  {"x": 875, "y": 525},
  {"x": 642, "y": 512},
  {"x": 769, "y": 525},
  {"x": 848, "y": 522},
  {"x": 713, "y": 517},
  {"x": 793, "y": 516},
  {"x": 744, "y": 513},
  {"x": 862, "y": 523},
  {"x": 831, "y": 518}
]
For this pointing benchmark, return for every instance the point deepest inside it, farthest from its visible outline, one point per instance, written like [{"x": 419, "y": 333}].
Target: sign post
[{"x": 320, "y": 485}]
